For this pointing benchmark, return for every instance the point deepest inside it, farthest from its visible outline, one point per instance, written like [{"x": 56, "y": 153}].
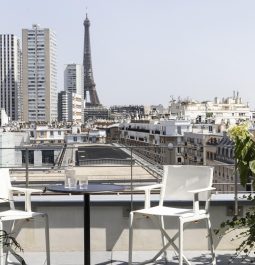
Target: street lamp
[{"x": 171, "y": 147}]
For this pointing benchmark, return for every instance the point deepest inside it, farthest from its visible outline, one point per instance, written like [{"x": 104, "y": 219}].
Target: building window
[
  {"x": 48, "y": 156},
  {"x": 30, "y": 157}
]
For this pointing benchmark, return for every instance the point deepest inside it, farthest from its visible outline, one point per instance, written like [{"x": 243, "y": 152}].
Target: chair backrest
[
  {"x": 5, "y": 185},
  {"x": 179, "y": 179}
]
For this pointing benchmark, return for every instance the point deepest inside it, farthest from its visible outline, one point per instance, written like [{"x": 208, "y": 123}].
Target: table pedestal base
[{"x": 86, "y": 213}]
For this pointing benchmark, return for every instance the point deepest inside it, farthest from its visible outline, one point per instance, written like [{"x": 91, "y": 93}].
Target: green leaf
[
  {"x": 244, "y": 173},
  {"x": 252, "y": 166}
]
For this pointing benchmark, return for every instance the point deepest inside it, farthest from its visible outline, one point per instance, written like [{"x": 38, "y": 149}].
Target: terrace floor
[{"x": 121, "y": 257}]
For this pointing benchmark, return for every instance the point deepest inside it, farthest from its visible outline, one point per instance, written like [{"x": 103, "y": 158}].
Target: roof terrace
[{"x": 109, "y": 218}]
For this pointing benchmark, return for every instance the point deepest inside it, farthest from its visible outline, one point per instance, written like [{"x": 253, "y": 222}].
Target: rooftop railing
[
  {"x": 132, "y": 165},
  {"x": 52, "y": 158}
]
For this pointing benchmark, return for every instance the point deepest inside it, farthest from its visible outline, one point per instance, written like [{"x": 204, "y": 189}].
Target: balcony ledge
[{"x": 109, "y": 224}]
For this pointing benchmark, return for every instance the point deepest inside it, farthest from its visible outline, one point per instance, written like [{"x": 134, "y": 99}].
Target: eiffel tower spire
[{"x": 89, "y": 84}]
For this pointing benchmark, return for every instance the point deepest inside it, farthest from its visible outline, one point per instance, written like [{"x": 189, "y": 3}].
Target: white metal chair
[
  {"x": 15, "y": 218},
  {"x": 179, "y": 183}
]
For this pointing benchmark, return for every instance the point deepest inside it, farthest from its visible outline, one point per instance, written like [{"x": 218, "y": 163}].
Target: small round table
[{"x": 91, "y": 189}]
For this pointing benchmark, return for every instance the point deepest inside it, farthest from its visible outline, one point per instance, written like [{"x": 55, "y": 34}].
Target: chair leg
[
  {"x": 131, "y": 219},
  {"x": 14, "y": 229},
  {"x": 47, "y": 238},
  {"x": 180, "y": 241},
  {"x": 209, "y": 227},
  {"x": 11, "y": 231},
  {"x": 162, "y": 236},
  {"x": 1, "y": 246},
  {"x": 170, "y": 240}
]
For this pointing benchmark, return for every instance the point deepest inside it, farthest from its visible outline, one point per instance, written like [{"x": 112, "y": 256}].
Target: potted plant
[
  {"x": 245, "y": 166},
  {"x": 12, "y": 245}
]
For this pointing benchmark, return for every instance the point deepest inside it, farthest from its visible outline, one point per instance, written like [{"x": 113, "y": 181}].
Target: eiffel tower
[{"x": 89, "y": 84}]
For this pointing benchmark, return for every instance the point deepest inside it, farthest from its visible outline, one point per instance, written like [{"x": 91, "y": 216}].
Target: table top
[{"x": 92, "y": 188}]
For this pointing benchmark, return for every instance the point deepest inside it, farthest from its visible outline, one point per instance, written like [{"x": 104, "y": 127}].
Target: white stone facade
[
  {"x": 230, "y": 110},
  {"x": 70, "y": 107},
  {"x": 158, "y": 134},
  {"x": 47, "y": 135},
  {"x": 10, "y": 154}
]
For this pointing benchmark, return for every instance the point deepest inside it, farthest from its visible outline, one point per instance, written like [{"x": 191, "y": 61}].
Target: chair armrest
[
  {"x": 26, "y": 190},
  {"x": 27, "y": 193},
  {"x": 196, "y": 199},
  {"x": 147, "y": 190},
  {"x": 149, "y": 187},
  {"x": 201, "y": 190}
]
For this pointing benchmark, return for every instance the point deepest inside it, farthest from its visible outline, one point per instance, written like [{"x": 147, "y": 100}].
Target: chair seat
[
  {"x": 17, "y": 214},
  {"x": 170, "y": 211}
]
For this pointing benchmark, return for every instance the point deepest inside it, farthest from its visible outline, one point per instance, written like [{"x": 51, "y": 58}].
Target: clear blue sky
[{"x": 144, "y": 51}]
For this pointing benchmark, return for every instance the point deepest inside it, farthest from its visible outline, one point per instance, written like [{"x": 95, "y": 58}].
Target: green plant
[
  {"x": 245, "y": 165},
  {"x": 209, "y": 114},
  {"x": 244, "y": 151},
  {"x": 247, "y": 236},
  {"x": 12, "y": 245}
]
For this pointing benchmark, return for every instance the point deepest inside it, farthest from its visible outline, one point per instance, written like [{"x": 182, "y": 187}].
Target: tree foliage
[
  {"x": 247, "y": 236},
  {"x": 244, "y": 151},
  {"x": 245, "y": 166}
]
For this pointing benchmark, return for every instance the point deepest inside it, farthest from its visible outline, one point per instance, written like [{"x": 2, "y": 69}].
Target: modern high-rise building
[
  {"x": 70, "y": 107},
  {"x": 39, "y": 82},
  {"x": 73, "y": 84},
  {"x": 73, "y": 79},
  {"x": 10, "y": 77}
]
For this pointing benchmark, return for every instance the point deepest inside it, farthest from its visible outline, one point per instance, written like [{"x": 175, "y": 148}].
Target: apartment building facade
[
  {"x": 73, "y": 79},
  {"x": 73, "y": 83},
  {"x": 230, "y": 110},
  {"x": 70, "y": 107},
  {"x": 200, "y": 144},
  {"x": 39, "y": 81},
  {"x": 159, "y": 141},
  {"x": 10, "y": 76}
]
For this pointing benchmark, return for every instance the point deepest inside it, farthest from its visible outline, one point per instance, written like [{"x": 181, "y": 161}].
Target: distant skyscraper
[
  {"x": 89, "y": 84},
  {"x": 70, "y": 107},
  {"x": 39, "y": 83},
  {"x": 10, "y": 83},
  {"x": 73, "y": 84},
  {"x": 64, "y": 106},
  {"x": 73, "y": 79}
]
